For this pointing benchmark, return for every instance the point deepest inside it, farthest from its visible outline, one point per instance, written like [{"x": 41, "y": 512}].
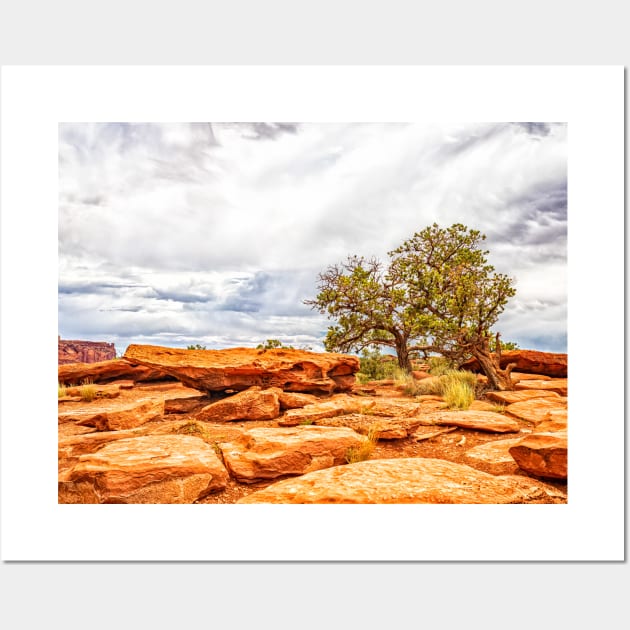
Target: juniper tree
[{"x": 438, "y": 294}]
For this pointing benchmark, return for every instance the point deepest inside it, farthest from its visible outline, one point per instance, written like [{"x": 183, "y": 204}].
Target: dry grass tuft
[
  {"x": 87, "y": 391},
  {"x": 365, "y": 449}
]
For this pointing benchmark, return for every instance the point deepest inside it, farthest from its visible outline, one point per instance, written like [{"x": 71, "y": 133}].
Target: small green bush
[
  {"x": 439, "y": 366},
  {"x": 196, "y": 346},
  {"x": 375, "y": 366}
]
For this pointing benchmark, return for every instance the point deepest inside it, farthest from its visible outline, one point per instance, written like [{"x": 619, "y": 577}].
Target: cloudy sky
[{"x": 214, "y": 233}]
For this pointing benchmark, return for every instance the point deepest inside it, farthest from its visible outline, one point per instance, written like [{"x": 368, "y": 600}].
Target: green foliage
[
  {"x": 375, "y": 366},
  {"x": 271, "y": 344},
  {"x": 505, "y": 345},
  {"x": 197, "y": 346},
  {"x": 437, "y": 294},
  {"x": 439, "y": 365}
]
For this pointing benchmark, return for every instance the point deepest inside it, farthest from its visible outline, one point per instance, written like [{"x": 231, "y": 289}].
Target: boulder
[
  {"x": 151, "y": 469},
  {"x": 75, "y": 351},
  {"x": 268, "y": 453},
  {"x": 539, "y": 410},
  {"x": 475, "y": 420},
  {"x": 107, "y": 371},
  {"x": 254, "y": 403},
  {"x": 291, "y": 400},
  {"x": 558, "y": 385},
  {"x": 112, "y": 415},
  {"x": 542, "y": 454},
  {"x": 405, "y": 480},
  {"x": 508, "y": 398},
  {"x": 528, "y": 361},
  {"x": 242, "y": 368}
]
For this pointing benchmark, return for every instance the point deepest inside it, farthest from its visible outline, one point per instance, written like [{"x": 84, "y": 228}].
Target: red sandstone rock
[
  {"x": 405, "y": 480},
  {"x": 495, "y": 453},
  {"x": 242, "y": 368},
  {"x": 476, "y": 421},
  {"x": 558, "y": 385},
  {"x": 107, "y": 371},
  {"x": 335, "y": 406},
  {"x": 529, "y": 361},
  {"x": 291, "y": 400},
  {"x": 508, "y": 398},
  {"x": 383, "y": 428},
  {"x": 268, "y": 453},
  {"x": 251, "y": 404},
  {"x": 542, "y": 454},
  {"x": 84, "y": 351},
  {"x": 113, "y": 415},
  {"x": 151, "y": 469},
  {"x": 539, "y": 410}
]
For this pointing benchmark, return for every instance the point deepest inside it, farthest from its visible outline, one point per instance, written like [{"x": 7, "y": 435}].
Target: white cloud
[{"x": 183, "y": 232}]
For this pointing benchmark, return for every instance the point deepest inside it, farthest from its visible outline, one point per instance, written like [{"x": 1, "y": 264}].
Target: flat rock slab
[
  {"x": 508, "y": 398},
  {"x": 151, "y": 469},
  {"x": 522, "y": 376},
  {"x": 476, "y": 421},
  {"x": 186, "y": 404},
  {"x": 495, "y": 453},
  {"x": 384, "y": 428},
  {"x": 111, "y": 415},
  {"x": 268, "y": 453},
  {"x": 71, "y": 447},
  {"x": 558, "y": 385},
  {"x": 539, "y": 410},
  {"x": 335, "y": 406},
  {"x": 107, "y": 371},
  {"x": 254, "y": 403},
  {"x": 242, "y": 368},
  {"x": 543, "y": 455},
  {"x": 405, "y": 480}
]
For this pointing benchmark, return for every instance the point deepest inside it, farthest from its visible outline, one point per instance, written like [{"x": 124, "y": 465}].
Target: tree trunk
[
  {"x": 404, "y": 362},
  {"x": 498, "y": 379}
]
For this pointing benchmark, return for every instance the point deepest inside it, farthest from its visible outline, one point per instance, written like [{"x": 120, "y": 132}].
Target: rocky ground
[{"x": 163, "y": 441}]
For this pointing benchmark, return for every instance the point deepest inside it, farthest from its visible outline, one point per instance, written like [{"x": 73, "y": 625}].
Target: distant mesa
[{"x": 74, "y": 351}]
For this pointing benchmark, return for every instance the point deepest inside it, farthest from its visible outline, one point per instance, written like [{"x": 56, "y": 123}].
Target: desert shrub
[
  {"x": 196, "y": 346},
  {"x": 62, "y": 390},
  {"x": 439, "y": 365},
  {"x": 375, "y": 366},
  {"x": 365, "y": 449},
  {"x": 410, "y": 386},
  {"x": 271, "y": 344},
  {"x": 87, "y": 391},
  {"x": 498, "y": 408}
]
